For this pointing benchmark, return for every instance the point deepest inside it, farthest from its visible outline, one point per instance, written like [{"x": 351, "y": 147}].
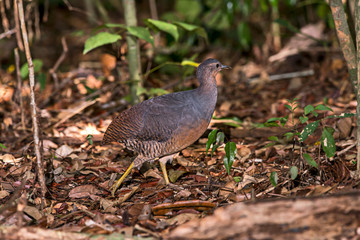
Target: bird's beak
[{"x": 225, "y": 67}]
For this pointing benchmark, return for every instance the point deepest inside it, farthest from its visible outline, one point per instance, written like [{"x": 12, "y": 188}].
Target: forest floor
[{"x": 90, "y": 93}]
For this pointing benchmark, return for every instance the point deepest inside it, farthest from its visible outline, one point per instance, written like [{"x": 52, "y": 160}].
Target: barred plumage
[{"x": 164, "y": 125}]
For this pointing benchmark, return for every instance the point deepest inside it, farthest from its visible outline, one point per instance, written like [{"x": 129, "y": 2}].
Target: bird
[{"x": 160, "y": 127}]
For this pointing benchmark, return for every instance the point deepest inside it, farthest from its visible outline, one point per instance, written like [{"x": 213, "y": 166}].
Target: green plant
[
  {"x": 215, "y": 140},
  {"x": 327, "y": 140}
]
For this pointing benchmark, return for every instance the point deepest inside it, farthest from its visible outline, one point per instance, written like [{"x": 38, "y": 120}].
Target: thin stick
[
  {"x": 5, "y": 21},
  {"x": 71, "y": 8},
  {"x": 37, "y": 22},
  {"x": 19, "y": 86},
  {"x": 53, "y": 70},
  {"x": 17, "y": 27},
  {"x": 8, "y": 33},
  {"x": 39, "y": 163}
]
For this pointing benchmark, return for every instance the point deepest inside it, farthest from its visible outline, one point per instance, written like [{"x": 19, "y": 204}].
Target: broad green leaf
[
  {"x": 328, "y": 143},
  {"x": 273, "y": 138},
  {"x": 294, "y": 172},
  {"x": 193, "y": 28},
  {"x": 165, "y": 27},
  {"x": 274, "y": 178},
  {"x": 211, "y": 139},
  {"x": 308, "y": 129},
  {"x": 343, "y": 115},
  {"x": 308, "y": 109},
  {"x": 24, "y": 71},
  {"x": 230, "y": 153},
  {"x": 310, "y": 160},
  {"x": 303, "y": 119},
  {"x": 142, "y": 33},
  {"x": 100, "y": 39},
  {"x": 323, "y": 108},
  {"x": 2, "y": 146}
]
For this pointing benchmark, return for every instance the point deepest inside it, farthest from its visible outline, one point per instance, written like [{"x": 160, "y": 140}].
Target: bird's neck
[{"x": 207, "y": 96}]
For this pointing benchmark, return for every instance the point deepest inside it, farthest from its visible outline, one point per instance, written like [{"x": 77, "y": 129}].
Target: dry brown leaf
[
  {"x": 4, "y": 194},
  {"x": 84, "y": 191},
  {"x": 181, "y": 218},
  {"x": 63, "y": 151},
  {"x": 186, "y": 163}
]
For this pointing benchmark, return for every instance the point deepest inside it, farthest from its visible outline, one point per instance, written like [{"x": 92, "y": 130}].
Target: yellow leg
[
  {"x": 163, "y": 162},
  {"x": 117, "y": 184},
  {"x": 163, "y": 168}
]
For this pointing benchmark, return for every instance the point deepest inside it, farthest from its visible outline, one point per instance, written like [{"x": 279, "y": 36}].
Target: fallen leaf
[{"x": 83, "y": 191}]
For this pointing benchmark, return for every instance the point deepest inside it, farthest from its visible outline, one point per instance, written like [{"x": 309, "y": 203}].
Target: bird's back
[{"x": 161, "y": 125}]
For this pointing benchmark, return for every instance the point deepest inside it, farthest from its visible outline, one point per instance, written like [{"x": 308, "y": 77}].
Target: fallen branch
[{"x": 302, "y": 218}]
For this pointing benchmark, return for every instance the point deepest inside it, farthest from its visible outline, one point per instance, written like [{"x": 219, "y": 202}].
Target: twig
[
  {"x": 37, "y": 22},
  {"x": 19, "y": 87},
  {"x": 71, "y": 8},
  {"x": 346, "y": 149},
  {"x": 5, "y": 21},
  {"x": 39, "y": 162},
  {"x": 7, "y": 4},
  {"x": 8, "y": 33},
  {"x": 53, "y": 70},
  {"x": 17, "y": 27},
  {"x": 29, "y": 20},
  {"x": 304, "y": 73}
]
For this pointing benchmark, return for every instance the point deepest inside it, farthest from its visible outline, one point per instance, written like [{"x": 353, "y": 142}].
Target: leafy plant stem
[{"x": 133, "y": 51}]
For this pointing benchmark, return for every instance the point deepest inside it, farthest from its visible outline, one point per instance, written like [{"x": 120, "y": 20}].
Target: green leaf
[
  {"x": 294, "y": 172},
  {"x": 237, "y": 179},
  {"x": 230, "y": 153},
  {"x": 343, "y": 115},
  {"x": 310, "y": 160},
  {"x": 323, "y": 108},
  {"x": 273, "y": 138},
  {"x": 308, "y": 109},
  {"x": 165, "y": 27},
  {"x": 288, "y": 107},
  {"x": 193, "y": 28},
  {"x": 142, "y": 33},
  {"x": 24, "y": 71},
  {"x": 100, "y": 39},
  {"x": 308, "y": 129},
  {"x": 42, "y": 81},
  {"x": 303, "y": 119},
  {"x": 219, "y": 140},
  {"x": 289, "y": 135},
  {"x": 270, "y": 144},
  {"x": 89, "y": 138},
  {"x": 211, "y": 139},
  {"x": 2, "y": 146},
  {"x": 328, "y": 143},
  {"x": 282, "y": 120},
  {"x": 274, "y": 178}
]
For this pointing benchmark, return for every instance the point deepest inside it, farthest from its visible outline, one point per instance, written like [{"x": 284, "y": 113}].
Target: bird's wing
[
  {"x": 153, "y": 120},
  {"x": 164, "y": 116}
]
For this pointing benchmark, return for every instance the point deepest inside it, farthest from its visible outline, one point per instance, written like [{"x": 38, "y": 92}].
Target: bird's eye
[{"x": 217, "y": 65}]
